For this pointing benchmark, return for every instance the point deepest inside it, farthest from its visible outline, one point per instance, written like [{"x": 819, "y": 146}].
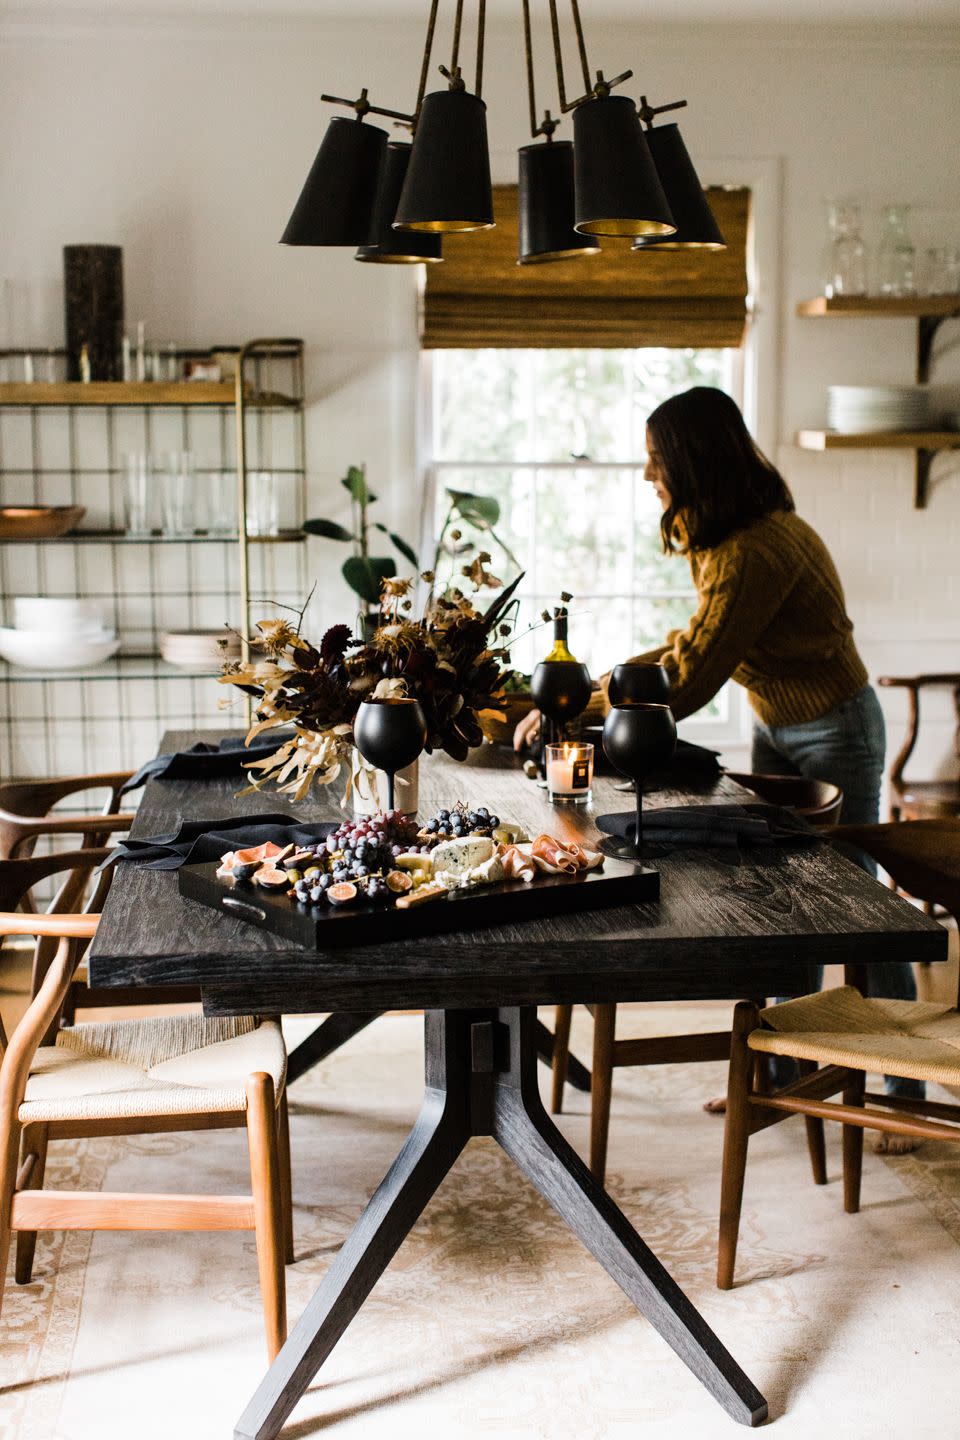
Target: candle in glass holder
[{"x": 569, "y": 772}]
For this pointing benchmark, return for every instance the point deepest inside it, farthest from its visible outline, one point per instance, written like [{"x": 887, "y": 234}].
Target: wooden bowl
[
  {"x": 515, "y": 706},
  {"x": 39, "y": 522}
]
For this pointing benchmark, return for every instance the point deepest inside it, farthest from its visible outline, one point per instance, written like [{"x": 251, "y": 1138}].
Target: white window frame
[{"x": 757, "y": 384}]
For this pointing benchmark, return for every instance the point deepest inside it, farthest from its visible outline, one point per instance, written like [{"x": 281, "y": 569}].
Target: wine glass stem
[
  {"x": 638, "y": 842},
  {"x": 391, "y": 781}
]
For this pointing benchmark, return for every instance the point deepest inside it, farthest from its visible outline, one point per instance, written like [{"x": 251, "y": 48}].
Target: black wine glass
[
  {"x": 639, "y": 682},
  {"x": 637, "y": 737},
  {"x": 562, "y": 690},
  {"x": 389, "y": 735}
]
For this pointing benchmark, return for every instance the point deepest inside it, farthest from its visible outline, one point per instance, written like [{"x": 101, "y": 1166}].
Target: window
[{"x": 557, "y": 438}]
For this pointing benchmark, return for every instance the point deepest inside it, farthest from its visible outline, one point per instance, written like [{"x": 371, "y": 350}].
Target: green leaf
[
  {"x": 480, "y": 510},
  {"x": 406, "y": 550},
  {"x": 366, "y": 577},
  {"x": 355, "y": 481},
  {"x": 329, "y": 529}
]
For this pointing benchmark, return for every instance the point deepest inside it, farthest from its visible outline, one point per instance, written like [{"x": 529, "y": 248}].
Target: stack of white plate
[
  {"x": 57, "y": 634},
  {"x": 199, "y": 649},
  {"x": 855, "y": 409}
]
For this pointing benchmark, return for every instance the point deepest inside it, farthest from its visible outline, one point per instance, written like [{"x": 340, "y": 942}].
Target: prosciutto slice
[
  {"x": 552, "y": 857},
  {"x": 517, "y": 865}
]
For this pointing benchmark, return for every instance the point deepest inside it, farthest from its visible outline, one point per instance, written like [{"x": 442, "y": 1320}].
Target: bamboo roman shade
[{"x": 480, "y": 298}]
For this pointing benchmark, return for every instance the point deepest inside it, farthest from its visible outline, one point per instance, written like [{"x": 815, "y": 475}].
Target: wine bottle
[{"x": 560, "y": 649}]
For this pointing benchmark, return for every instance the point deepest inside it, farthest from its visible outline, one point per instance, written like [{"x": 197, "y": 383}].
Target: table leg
[
  {"x": 329, "y": 1035},
  {"x": 535, "y": 1145},
  {"x": 481, "y": 1080}
]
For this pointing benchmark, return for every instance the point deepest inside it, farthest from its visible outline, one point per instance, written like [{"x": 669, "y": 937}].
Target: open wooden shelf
[
  {"x": 879, "y": 440},
  {"x": 123, "y": 392},
  {"x": 907, "y": 307}
]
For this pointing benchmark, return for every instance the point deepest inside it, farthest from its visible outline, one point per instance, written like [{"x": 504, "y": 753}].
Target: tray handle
[{"x": 243, "y": 907}]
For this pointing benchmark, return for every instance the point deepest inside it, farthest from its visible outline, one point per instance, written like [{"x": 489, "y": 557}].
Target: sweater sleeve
[{"x": 739, "y": 595}]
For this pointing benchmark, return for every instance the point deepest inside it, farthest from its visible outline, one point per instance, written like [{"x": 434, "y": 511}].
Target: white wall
[{"x": 187, "y": 142}]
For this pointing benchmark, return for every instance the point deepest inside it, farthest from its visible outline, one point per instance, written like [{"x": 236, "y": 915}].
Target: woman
[{"x": 771, "y": 615}]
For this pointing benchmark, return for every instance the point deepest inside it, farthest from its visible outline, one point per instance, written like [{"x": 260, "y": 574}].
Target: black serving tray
[{"x": 326, "y": 928}]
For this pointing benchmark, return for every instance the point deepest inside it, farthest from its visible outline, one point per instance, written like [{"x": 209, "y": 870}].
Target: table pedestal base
[{"x": 481, "y": 1080}]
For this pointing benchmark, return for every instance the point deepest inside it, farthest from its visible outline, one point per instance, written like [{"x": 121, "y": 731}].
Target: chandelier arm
[
  {"x": 581, "y": 45},
  {"x": 363, "y": 107},
  {"x": 425, "y": 67},
  {"x": 558, "y": 55},
  {"x": 481, "y": 28},
  {"x": 528, "y": 46},
  {"x": 457, "y": 24}
]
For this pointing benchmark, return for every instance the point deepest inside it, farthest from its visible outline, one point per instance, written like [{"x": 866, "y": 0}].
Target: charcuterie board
[{"x": 503, "y": 903}]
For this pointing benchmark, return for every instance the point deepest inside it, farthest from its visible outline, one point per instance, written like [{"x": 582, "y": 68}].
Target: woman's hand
[{"x": 527, "y": 732}]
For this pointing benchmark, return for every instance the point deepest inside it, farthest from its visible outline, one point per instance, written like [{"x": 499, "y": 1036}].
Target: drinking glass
[
  {"x": 263, "y": 503},
  {"x": 941, "y": 272},
  {"x": 896, "y": 257},
  {"x": 137, "y": 493},
  {"x": 562, "y": 690},
  {"x": 637, "y": 738},
  {"x": 390, "y": 734},
  {"x": 221, "y": 494},
  {"x": 639, "y": 680},
  {"x": 178, "y": 494},
  {"x": 845, "y": 264}
]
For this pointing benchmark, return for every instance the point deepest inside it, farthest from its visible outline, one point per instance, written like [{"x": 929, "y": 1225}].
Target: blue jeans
[{"x": 847, "y": 747}]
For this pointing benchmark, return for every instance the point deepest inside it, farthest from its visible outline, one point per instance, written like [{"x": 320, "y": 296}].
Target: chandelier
[{"x": 620, "y": 175}]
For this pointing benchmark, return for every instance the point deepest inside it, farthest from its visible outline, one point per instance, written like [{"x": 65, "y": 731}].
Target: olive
[{"x": 293, "y": 876}]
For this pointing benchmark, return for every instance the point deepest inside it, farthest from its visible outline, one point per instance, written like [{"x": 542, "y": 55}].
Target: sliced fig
[
  {"x": 343, "y": 893},
  {"x": 399, "y": 881},
  {"x": 272, "y": 878}
]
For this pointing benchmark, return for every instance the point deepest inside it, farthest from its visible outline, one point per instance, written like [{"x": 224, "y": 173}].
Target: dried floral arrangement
[{"x": 453, "y": 660}]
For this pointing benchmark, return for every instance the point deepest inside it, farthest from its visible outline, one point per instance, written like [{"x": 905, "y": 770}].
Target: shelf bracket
[
  {"x": 921, "y": 482},
  {"x": 927, "y": 327}
]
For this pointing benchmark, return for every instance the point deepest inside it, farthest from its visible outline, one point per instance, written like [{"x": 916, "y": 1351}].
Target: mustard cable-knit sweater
[{"x": 772, "y": 617}]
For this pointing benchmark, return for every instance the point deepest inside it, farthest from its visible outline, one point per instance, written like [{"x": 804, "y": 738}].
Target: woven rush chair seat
[
  {"x": 919, "y": 1040},
  {"x": 176, "y": 1065}
]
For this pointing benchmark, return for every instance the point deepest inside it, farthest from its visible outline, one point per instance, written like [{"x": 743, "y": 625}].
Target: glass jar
[
  {"x": 941, "y": 275},
  {"x": 845, "y": 261},
  {"x": 896, "y": 256}
]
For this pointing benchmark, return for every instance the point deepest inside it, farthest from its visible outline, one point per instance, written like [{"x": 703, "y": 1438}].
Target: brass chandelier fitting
[{"x": 394, "y": 200}]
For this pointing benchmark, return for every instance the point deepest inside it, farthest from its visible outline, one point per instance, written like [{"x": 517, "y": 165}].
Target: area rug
[{"x": 492, "y": 1321}]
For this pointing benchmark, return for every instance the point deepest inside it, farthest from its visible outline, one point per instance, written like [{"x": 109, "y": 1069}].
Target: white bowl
[
  {"x": 50, "y": 650},
  {"x": 45, "y": 613}
]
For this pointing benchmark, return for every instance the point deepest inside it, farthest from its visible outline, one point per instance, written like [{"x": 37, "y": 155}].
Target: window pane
[
  {"x": 481, "y": 404},
  {"x": 582, "y": 405}
]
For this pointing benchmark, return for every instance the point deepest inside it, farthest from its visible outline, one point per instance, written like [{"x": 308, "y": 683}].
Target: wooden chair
[
  {"x": 26, "y": 816},
  {"x": 133, "y": 1077},
  {"x": 922, "y": 799},
  {"x": 818, "y": 802},
  {"x": 839, "y": 1035}
]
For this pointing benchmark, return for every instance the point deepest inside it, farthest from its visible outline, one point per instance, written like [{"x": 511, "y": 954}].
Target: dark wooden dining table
[{"x": 729, "y": 924}]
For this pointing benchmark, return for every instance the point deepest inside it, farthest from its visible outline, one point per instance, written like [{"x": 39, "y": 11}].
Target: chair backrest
[
  {"x": 17, "y": 878},
  {"x": 922, "y": 857},
  {"x": 23, "y": 802},
  {"x": 913, "y": 684},
  {"x": 818, "y": 801}
]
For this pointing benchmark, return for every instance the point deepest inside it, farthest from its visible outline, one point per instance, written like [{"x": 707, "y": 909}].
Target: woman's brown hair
[{"x": 719, "y": 481}]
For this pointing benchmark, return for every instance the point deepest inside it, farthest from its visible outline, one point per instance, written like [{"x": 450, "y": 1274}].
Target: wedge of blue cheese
[{"x": 461, "y": 864}]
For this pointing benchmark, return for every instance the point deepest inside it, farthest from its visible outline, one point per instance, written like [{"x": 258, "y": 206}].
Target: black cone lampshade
[
  {"x": 447, "y": 186},
  {"x": 396, "y": 247},
  {"x": 696, "y": 226},
  {"x": 545, "y": 205},
  {"x": 336, "y": 203},
  {"x": 616, "y": 186}
]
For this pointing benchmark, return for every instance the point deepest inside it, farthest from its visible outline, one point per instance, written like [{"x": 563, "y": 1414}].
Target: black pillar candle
[{"x": 93, "y": 299}]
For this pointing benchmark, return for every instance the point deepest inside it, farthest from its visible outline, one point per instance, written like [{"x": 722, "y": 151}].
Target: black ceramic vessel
[
  {"x": 637, "y": 738},
  {"x": 562, "y": 690},
  {"x": 390, "y": 734},
  {"x": 639, "y": 681},
  {"x": 93, "y": 305}
]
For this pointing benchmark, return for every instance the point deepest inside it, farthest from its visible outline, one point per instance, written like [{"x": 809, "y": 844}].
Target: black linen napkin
[
  {"x": 714, "y": 825},
  {"x": 208, "y": 762},
  {"x": 688, "y": 762},
  {"x": 196, "y": 841}
]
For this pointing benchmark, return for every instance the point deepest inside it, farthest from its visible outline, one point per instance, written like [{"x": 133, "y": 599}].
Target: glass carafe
[
  {"x": 845, "y": 261},
  {"x": 896, "y": 256}
]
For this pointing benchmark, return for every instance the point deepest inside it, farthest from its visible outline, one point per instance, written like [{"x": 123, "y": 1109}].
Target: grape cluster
[
  {"x": 360, "y": 851},
  {"x": 452, "y": 824}
]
